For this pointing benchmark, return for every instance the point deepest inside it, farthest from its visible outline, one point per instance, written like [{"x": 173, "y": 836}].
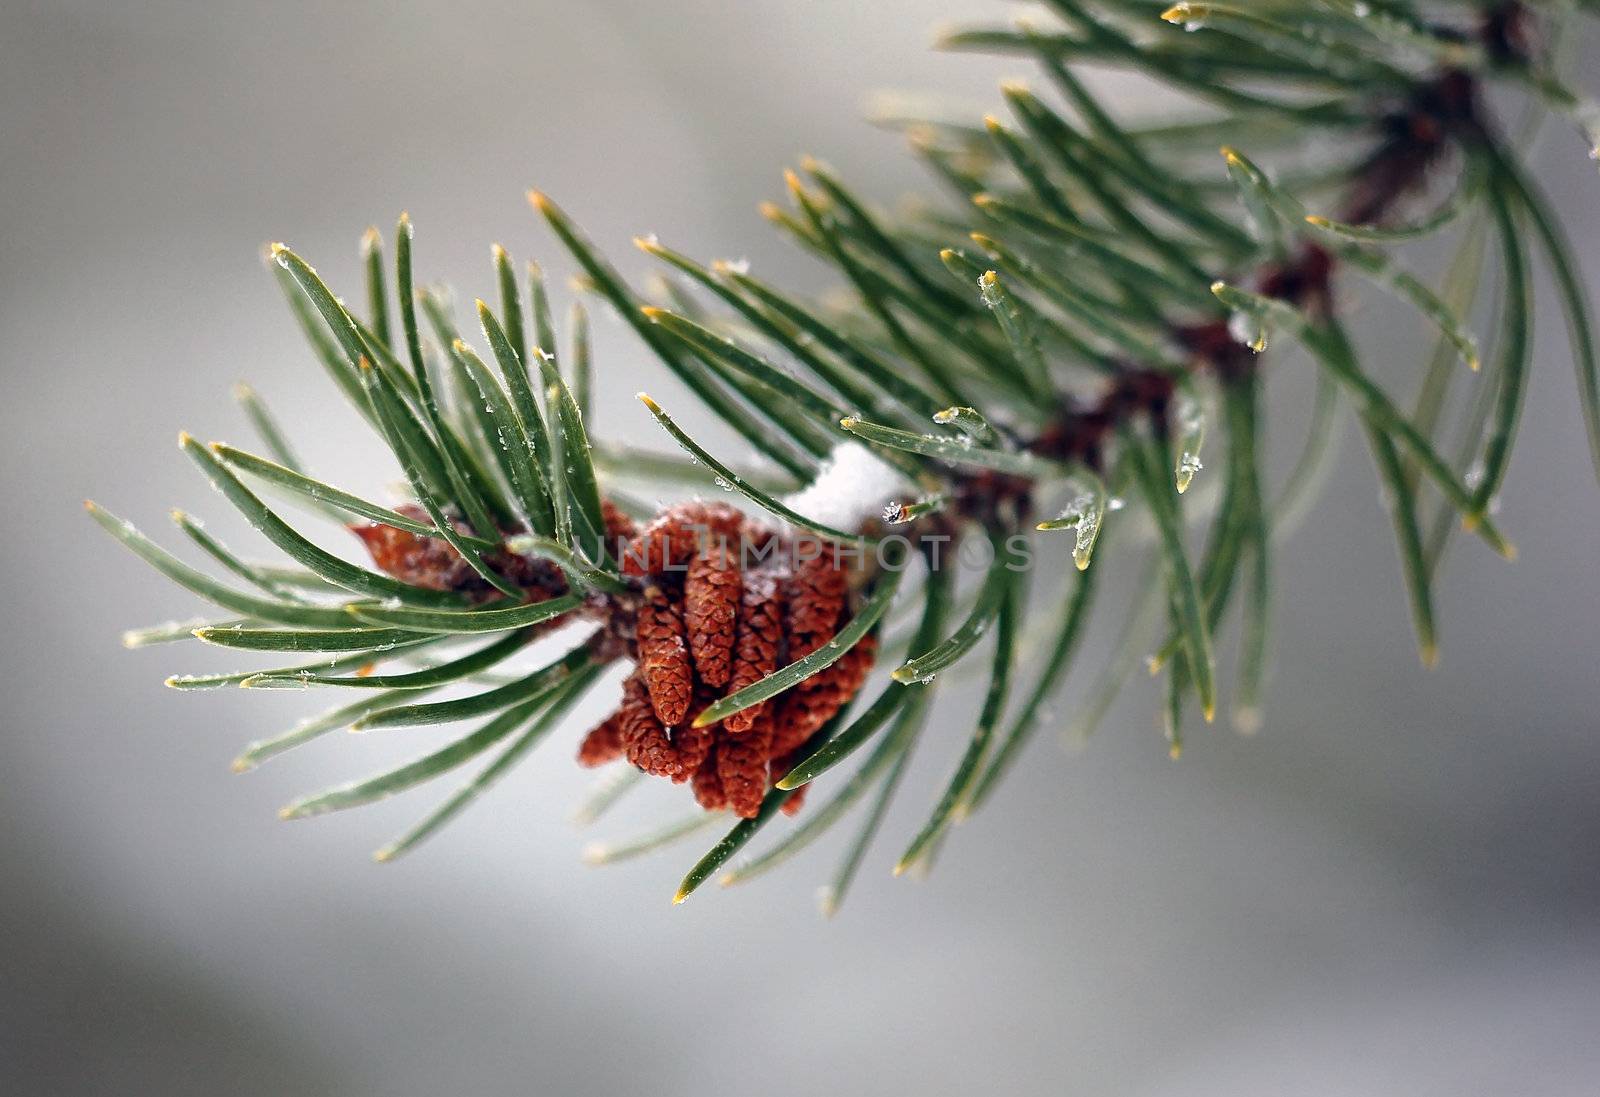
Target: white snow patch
[{"x": 851, "y": 487}]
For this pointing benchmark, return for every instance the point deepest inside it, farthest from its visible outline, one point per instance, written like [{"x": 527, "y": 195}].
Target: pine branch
[{"x": 1081, "y": 330}]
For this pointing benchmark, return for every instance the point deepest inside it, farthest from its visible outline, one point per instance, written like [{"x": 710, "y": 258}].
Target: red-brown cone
[
  {"x": 816, "y": 596},
  {"x": 428, "y": 562},
  {"x": 759, "y": 643},
  {"x": 694, "y": 744},
  {"x": 620, "y": 527},
  {"x": 711, "y": 593},
  {"x": 603, "y": 744},
  {"x": 643, "y": 738},
  {"x": 664, "y": 656},
  {"x": 804, "y": 709},
  {"x": 742, "y": 767},
  {"x": 676, "y": 535},
  {"x": 707, "y": 786}
]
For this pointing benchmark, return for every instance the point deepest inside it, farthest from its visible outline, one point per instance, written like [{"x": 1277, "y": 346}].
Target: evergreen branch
[{"x": 1120, "y": 308}]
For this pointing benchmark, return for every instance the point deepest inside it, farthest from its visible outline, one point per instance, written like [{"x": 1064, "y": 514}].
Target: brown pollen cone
[
  {"x": 619, "y": 524},
  {"x": 694, "y": 744},
  {"x": 644, "y": 740},
  {"x": 760, "y": 638},
  {"x": 711, "y": 593},
  {"x": 707, "y": 785},
  {"x": 664, "y": 656},
  {"x": 742, "y": 767},
  {"x": 817, "y": 588},
  {"x": 603, "y": 743},
  {"x": 676, "y": 535},
  {"x": 805, "y": 708},
  {"x": 434, "y": 564},
  {"x": 427, "y": 562}
]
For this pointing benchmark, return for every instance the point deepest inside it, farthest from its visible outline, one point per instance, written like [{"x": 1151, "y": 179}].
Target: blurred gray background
[{"x": 1390, "y": 890}]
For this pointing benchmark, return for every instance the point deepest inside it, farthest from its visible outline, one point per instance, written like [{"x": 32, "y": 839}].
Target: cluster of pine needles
[{"x": 1051, "y": 345}]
